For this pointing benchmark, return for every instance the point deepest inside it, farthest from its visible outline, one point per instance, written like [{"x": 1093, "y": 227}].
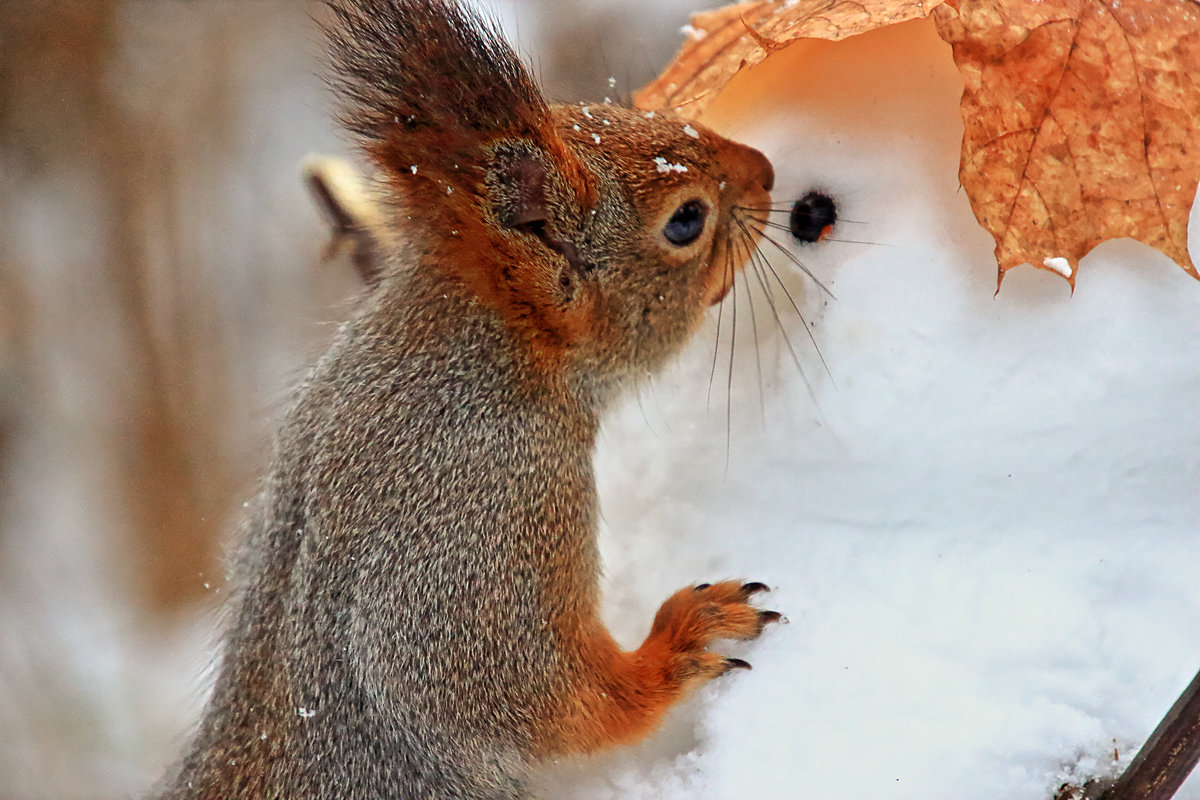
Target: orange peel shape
[
  {"x": 1081, "y": 124},
  {"x": 726, "y": 40}
]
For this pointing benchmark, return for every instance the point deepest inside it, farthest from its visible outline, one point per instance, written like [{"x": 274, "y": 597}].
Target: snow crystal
[
  {"x": 664, "y": 166},
  {"x": 692, "y": 132},
  {"x": 596, "y": 138},
  {"x": 413, "y": 167},
  {"x": 306, "y": 713}
]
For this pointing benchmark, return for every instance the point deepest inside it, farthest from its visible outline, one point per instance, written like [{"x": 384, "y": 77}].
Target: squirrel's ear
[
  {"x": 523, "y": 195},
  {"x": 355, "y": 224},
  {"x": 519, "y": 191},
  {"x": 429, "y": 89}
]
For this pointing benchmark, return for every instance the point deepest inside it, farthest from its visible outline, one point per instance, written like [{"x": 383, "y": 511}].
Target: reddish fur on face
[{"x": 434, "y": 94}]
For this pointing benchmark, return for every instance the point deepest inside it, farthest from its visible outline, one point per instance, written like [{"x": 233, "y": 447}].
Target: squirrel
[{"x": 415, "y": 610}]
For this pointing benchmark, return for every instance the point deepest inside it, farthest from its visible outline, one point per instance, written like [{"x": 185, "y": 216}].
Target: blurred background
[{"x": 161, "y": 287}]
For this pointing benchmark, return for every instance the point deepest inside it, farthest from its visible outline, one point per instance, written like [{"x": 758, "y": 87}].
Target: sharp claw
[
  {"x": 700, "y": 587},
  {"x": 736, "y": 663},
  {"x": 766, "y": 617},
  {"x": 754, "y": 587}
]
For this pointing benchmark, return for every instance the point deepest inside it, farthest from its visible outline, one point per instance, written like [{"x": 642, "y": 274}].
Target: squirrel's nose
[
  {"x": 755, "y": 168},
  {"x": 766, "y": 172}
]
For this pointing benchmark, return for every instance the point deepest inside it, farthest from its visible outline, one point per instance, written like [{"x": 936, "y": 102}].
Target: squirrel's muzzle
[
  {"x": 750, "y": 169},
  {"x": 750, "y": 178},
  {"x": 761, "y": 167}
]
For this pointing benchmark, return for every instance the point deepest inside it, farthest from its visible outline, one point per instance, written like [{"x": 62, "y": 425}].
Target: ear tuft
[
  {"x": 432, "y": 92},
  {"x": 426, "y": 78}
]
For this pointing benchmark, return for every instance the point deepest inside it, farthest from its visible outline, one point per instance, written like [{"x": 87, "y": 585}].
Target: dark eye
[{"x": 686, "y": 224}]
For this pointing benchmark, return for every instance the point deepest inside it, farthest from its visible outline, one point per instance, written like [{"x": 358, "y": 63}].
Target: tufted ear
[
  {"x": 428, "y": 89},
  {"x": 519, "y": 189},
  {"x": 435, "y": 95}
]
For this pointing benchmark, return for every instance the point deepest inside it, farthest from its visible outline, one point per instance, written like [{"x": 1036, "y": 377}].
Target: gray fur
[{"x": 393, "y": 609}]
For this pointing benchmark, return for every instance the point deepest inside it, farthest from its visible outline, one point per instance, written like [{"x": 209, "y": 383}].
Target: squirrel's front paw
[
  {"x": 693, "y": 617},
  {"x": 622, "y": 695}
]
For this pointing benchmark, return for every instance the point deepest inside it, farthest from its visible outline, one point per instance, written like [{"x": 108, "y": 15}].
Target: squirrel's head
[
  {"x": 635, "y": 254},
  {"x": 599, "y": 234}
]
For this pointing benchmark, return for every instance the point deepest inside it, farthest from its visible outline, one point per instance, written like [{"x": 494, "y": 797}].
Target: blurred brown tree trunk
[{"x": 57, "y": 108}]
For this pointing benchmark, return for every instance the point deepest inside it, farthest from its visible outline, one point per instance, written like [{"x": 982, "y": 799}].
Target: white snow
[
  {"x": 1059, "y": 264},
  {"x": 987, "y": 547},
  {"x": 690, "y": 131},
  {"x": 664, "y": 166}
]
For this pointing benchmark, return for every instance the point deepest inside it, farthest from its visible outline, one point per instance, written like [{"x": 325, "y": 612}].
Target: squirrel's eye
[{"x": 686, "y": 224}]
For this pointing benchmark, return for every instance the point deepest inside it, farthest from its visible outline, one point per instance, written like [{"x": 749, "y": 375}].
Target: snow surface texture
[{"x": 982, "y": 522}]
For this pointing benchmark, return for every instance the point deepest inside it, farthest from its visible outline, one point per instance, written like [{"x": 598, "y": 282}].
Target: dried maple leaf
[
  {"x": 1082, "y": 123},
  {"x": 726, "y": 40}
]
